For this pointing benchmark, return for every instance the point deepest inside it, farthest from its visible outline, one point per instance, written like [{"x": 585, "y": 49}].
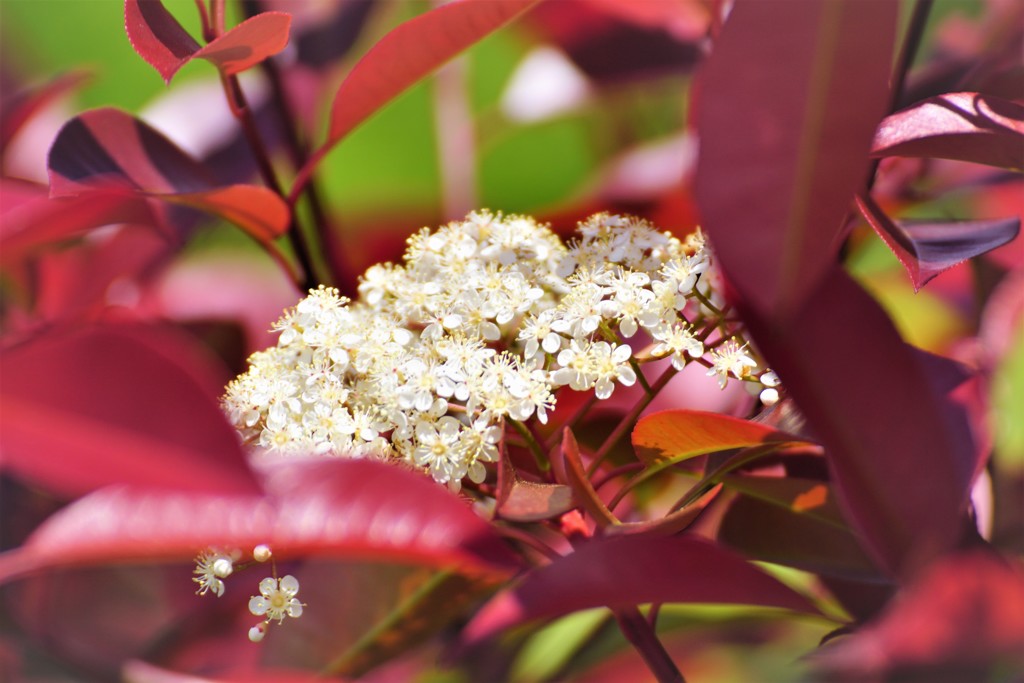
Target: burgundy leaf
[
  {"x": 157, "y": 36},
  {"x": 20, "y": 108},
  {"x": 531, "y": 502},
  {"x": 107, "y": 149},
  {"x": 966, "y": 126},
  {"x": 313, "y": 506},
  {"x": 788, "y": 102},
  {"x": 927, "y": 248},
  {"x": 902, "y": 468},
  {"x": 117, "y": 404},
  {"x": 409, "y": 53},
  {"x": 624, "y": 571},
  {"x": 961, "y": 621},
  {"x": 249, "y": 43}
]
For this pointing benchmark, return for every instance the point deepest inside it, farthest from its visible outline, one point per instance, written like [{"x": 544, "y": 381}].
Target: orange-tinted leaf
[
  {"x": 257, "y": 210},
  {"x": 676, "y": 435},
  {"x": 531, "y": 502},
  {"x": 249, "y": 43},
  {"x": 799, "y": 496}
]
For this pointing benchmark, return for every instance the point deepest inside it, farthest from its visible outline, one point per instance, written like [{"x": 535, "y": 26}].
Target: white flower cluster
[{"x": 482, "y": 323}]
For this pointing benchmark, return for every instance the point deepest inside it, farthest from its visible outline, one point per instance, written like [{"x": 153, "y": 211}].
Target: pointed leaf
[
  {"x": 249, "y": 43},
  {"x": 116, "y": 404},
  {"x": 580, "y": 482},
  {"x": 107, "y": 149},
  {"x": 409, "y": 53},
  {"x": 676, "y": 435},
  {"x": 789, "y": 101},
  {"x": 902, "y": 467},
  {"x": 927, "y": 248},
  {"x": 966, "y": 126},
  {"x": 532, "y": 502},
  {"x": 315, "y": 506},
  {"x": 157, "y": 36},
  {"x": 799, "y": 496},
  {"x": 624, "y": 571}
]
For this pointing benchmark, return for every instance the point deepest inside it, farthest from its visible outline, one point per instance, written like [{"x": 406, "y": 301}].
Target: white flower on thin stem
[
  {"x": 211, "y": 567},
  {"x": 677, "y": 339},
  {"x": 731, "y": 358},
  {"x": 277, "y": 599}
]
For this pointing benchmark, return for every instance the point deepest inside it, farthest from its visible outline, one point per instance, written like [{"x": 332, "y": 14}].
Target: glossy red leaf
[
  {"x": 409, "y": 53},
  {"x": 157, "y": 36},
  {"x": 927, "y": 248},
  {"x": 675, "y": 435},
  {"x": 313, "y": 506},
  {"x": 966, "y": 126},
  {"x": 159, "y": 39},
  {"x": 249, "y": 43},
  {"x": 787, "y": 106},
  {"x": 107, "y": 149},
  {"x": 32, "y": 220},
  {"x": 902, "y": 467},
  {"x": 624, "y": 571},
  {"x": 961, "y": 621},
  {"x": 116, "y": 404}
]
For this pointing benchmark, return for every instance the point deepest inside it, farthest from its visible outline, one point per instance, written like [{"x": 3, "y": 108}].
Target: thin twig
[{"x": 640, "y": 634}]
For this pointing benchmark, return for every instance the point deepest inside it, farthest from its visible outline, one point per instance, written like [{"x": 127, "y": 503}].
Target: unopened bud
[
  {"x": 222, "y": 567},
  {"x": 257, "y": 632},
  {"x": 261, "y": 553}
]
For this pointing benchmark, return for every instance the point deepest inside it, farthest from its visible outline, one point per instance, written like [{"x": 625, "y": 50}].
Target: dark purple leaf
[
  {"x": 107, "y": 150},
  {"x": 927, "y": 248},
  {"x": 315, "y": 506},
  {"x": 625, "y": 571},
  {"x": 902, "y": 469},
  {"x": 788, "y": 103},
  {"x": 966, "y": 126},
  {"x": 117, "y": 404}
]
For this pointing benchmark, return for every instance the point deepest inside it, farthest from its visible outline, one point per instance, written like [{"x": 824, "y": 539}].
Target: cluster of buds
[
  {"x": 483, "y": 323},
  {"x": 276, "y": 600}
]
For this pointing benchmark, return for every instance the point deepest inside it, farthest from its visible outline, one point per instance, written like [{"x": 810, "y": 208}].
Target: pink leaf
[
  {"x": 157, "y": 36},
  {"x": 113, "y": 404},
  {"x": 927, "y": 248},
  {"x": 967, "y": 126},
  {"x": 109, "y": 149},
  {"x": 20, "y": 108},
  {"x": 334, "y": 507},
  {"x": 624, "y": 571},
  {"x": 902, "y": 466},
  {"x": 249, "y": 43},
  {"x": 407, "y": 54},
  {"x": 789, "y": 100}
]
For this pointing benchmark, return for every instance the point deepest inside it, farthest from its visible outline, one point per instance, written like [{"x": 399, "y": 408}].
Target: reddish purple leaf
[
  {"x": 316, "y": 506},
  {"x": 117, "y": 404},
  {"x": 20, "y": 108},
  {"x": 902, "y": 468},
  {"x": 927, "y": 248},
  {"x": 531, "y": 502},
  {"x": 962, "y": 621},
  {"x": 789, "y": 100},
  {"x": 624, "y": 571},
  {"x": 409, "y": 53},
  {"x": 159, "y": 39},
  {"x": 249, "y": 43},
  {"x": 157, "y": 36},
  {"x": 966, "y": 126},
  {"x": 108, "y": 149}
]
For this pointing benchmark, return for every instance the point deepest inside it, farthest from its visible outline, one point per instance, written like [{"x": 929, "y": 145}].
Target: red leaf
[
  {"x": 336, "y": 507},
  {"x": 249, "y": 43},
  {"x": 961, "y": 621},
  {"x": 116, "y": 404},
  {"x": 902, "y": 467},
  {"x": 106, "y": 149},
  {"x": 17, "y": 110},
  {"x": 966, "y": 126},
  {"x": 675, "y": 435},
  {"x": 157, "y": 36},
  {"x": 927, "y": 248},
  {"x": 409, "y": 53},
  {"x": 789, "y": 100},
  {"x": 531, "y": 502},
  {"x": 32, "y": 220},
  {"x": 624, "y": 571}
]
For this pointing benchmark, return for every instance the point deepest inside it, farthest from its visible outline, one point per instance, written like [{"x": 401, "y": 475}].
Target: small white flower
[
  {"x": 730, "y": 358},
  {"x": 277, "y": 599},
  {"x": 677, "y": 339},
  {"x": 211, "y": 567}
]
